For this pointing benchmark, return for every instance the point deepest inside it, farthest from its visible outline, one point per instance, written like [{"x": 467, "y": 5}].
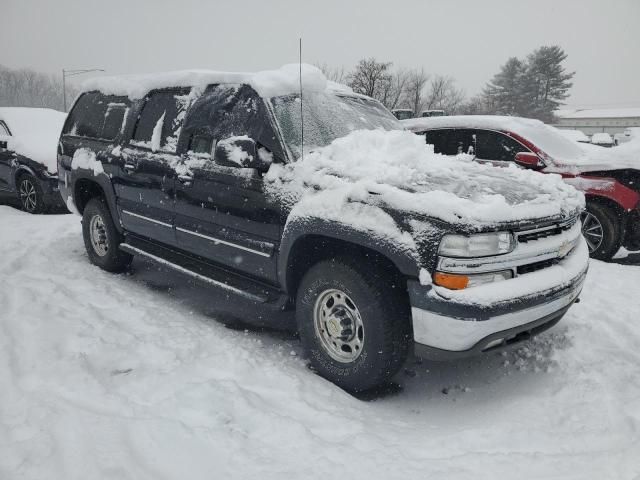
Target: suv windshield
[{"x": 327, "y": 116}]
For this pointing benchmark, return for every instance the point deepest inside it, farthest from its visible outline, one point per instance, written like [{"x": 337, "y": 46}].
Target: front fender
[{"x": 401, "y": 255}]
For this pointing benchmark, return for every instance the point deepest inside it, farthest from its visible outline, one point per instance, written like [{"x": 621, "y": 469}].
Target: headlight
[{"x": 476, "y": 245}]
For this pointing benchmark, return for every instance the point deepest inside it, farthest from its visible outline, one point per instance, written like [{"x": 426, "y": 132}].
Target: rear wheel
[
  {"x": 602, "y": 230},
  {"x": 31, "y": 196},
  {"x": 101, "y": 239},
  {"x": 354, "y": 328}
]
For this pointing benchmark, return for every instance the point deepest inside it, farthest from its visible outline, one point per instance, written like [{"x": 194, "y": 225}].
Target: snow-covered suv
[
  {"x": 322, "y": 204},
  {"x": 609, "y": 178}
]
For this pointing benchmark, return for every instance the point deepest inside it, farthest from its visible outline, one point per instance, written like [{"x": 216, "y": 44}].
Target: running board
[{"x": 205, "y": 272}]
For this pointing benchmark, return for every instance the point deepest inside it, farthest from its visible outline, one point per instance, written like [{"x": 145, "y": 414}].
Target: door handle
[
  {"x": 185, "y": 179},
  {"x": 130, "y": 167}
]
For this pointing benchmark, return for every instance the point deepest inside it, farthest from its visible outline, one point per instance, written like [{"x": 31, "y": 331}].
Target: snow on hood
[
  {"x": 34, "y": 133},
  {"x": 353, "y": 176},
  {"x": 269, "y": 83}
]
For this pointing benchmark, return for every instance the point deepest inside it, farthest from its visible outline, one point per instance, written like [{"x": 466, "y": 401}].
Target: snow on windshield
[
  {"x": 397, "y": 170},
  {"x": 327, "y": 117}
]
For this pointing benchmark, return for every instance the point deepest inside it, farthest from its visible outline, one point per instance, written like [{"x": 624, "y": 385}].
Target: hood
[{"x": 396, "y": 170}]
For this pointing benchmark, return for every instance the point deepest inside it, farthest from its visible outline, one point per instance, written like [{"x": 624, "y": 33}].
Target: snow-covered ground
[{"x": 136, "y": 377}]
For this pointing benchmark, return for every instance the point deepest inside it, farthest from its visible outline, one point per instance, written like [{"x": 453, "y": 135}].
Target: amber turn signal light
[{"x": 450, "y": 281}]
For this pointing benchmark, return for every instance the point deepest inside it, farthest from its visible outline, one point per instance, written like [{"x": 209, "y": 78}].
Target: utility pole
[{"x": 71, "y": 73}]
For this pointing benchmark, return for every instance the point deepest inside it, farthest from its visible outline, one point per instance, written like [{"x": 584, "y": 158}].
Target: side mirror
[
  {"x": 239, "y": 152},
  {"x": 3, "y": 145},
  {"x": 529, "y": 160}
]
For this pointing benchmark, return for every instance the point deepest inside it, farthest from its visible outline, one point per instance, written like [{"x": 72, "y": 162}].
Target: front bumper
[{"x": 456, "y": 326}]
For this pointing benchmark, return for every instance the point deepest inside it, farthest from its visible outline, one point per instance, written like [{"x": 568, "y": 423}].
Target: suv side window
[
  {"x": 96, "y": 116},
  {"x": 496, "y": 146},
  {"x": 225, "y": 111},
  {"x": 113, "y": 120},
  {"x": 160, "y": 121}
]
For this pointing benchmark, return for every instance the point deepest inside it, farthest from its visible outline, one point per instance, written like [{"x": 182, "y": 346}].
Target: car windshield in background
[{"x": 327, "y": 117}]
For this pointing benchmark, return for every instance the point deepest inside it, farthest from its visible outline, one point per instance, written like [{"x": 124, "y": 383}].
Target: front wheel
[
  {"x": 101, "y": 239},
  {"x": 354, "y": 328},
  {"x": 31, "y": 196},
  {"x": 601, "y": 228}
]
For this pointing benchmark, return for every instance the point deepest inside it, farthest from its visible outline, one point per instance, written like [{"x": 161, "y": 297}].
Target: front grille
[
  {"x": 534, "y": 267},
  {"x": 528, "y": 236}
]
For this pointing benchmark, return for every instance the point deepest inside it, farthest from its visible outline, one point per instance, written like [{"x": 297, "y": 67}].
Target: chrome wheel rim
[
  {"x": 338, "y": 325},
  {"x": 98, "y": 236},
  {"x": 592, "y": 231},
  {"x": 28, "y": 195}
]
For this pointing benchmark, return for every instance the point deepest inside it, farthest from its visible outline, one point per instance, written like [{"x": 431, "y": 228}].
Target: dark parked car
[
  {"x": 181, "y": 168},
  {"x": 611, "y": 187},
  {"x": 28, "y": 167}
]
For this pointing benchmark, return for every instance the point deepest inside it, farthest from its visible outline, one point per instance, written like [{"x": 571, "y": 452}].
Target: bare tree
[
  {"x": 414, "y": 95},
  {"x": 443, "y": 94},
  {"x": 370, "y": 78},
  {"x": 335, "y": 74},
  {"x": 28, "y": 88}
]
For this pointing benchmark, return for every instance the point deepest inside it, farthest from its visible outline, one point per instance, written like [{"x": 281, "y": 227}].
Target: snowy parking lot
[{"x": 136, "y": 376}]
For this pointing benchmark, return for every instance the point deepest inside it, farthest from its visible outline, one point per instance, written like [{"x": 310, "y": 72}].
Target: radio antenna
[{"x": 301, "y": 110}]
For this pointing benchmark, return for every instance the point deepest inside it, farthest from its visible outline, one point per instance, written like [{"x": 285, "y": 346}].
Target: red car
[{"x": 610, "y": 179}]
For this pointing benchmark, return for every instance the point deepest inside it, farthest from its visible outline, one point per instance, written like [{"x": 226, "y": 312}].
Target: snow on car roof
[
  {"x": 600, "y": 113},
  {"x": 268, "y": 83},
  {"x": 492, "y": 122},
  {"x": 34, "y": 133}
]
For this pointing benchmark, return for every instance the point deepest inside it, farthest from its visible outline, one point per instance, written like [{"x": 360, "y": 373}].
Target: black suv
[{"x": 175, "y": 168}]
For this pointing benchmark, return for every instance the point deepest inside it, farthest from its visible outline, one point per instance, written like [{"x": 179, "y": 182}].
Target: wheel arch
[
  {"x": 303, "y": 247},
  {"x": 86, "y": 187}
]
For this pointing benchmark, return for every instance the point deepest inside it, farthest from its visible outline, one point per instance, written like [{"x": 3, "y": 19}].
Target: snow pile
[
  {"x": 601, "y": 138},
  {"x": 235, "y": 154},
  {"x": 353, "y": 176},
  {"x": 86, "y": 159},
  {"x": 575, "y": 135},
  {"x": 134, "y": 376},
  {"x": 35, "y": 133},
  {"x": 270, "y": 83}
]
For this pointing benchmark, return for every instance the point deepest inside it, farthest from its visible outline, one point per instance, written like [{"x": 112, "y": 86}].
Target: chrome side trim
[
  {"x": 224, "y": 242},
  {"x": 128, "y": 248},
  {"x": 152, "y": 220}
]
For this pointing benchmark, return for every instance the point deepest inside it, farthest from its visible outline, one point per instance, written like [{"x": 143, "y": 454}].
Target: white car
[
  {"x": 602, "y": 139},
  {"x": 575, "y": 135},
  {"x": 626, "y": 136}
]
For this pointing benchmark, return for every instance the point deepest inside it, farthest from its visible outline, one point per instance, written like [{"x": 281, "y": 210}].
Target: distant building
[{"x": 590, "y": 121}]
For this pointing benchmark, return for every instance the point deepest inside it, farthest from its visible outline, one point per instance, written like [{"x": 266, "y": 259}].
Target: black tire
[
  {"x": 30, "y": 194},
  {"x": 604, "y": 222},
  {"x": 384, "y": 314},
  {"x": 103, "y": 251}
]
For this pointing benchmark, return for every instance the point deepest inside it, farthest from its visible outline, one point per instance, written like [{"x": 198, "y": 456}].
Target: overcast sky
[{"x": 467, "y": 39}]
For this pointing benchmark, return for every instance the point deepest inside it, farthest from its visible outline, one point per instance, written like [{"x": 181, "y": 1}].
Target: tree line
[
  {"x": 532, "y": 87},
  {"x": 27, "y": 88}
]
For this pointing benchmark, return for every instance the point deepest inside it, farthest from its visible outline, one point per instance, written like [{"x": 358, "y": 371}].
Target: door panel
[
  {"x": 145, "y": 192},
  {"x": 224, "y": 216}
]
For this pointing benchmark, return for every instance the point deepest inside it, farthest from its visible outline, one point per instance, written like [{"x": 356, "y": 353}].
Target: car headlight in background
[{"x": 476, "y": 245}]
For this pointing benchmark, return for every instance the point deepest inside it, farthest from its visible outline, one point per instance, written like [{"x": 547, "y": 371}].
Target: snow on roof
[
  {"x": 492, "y": 122},
  {"x": 34, "y": 133},
  {"x": 599, "y": 113},
  {"x": 268, "y": 83}
]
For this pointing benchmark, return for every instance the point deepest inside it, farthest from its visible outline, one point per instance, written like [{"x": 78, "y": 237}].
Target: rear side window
[
  {"x": 451, "y": 141},
  {"x": 113, "y": 120},
  {"x": 161, "y": 120},
  {"x": 96, "y": 116},
  {"x": 496, "y": 146}
]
